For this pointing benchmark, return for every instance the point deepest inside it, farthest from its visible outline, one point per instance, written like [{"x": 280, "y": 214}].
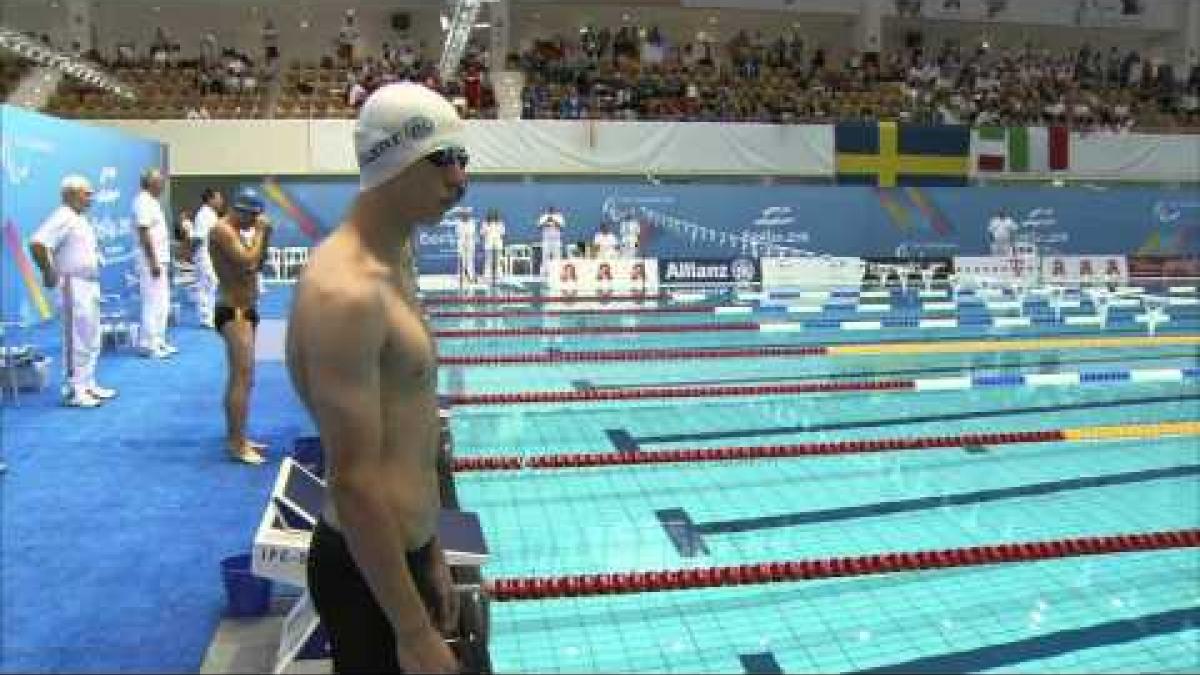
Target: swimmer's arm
[
  {"x": 224, "y": 243},
  {"x": 342, "y": 362}
]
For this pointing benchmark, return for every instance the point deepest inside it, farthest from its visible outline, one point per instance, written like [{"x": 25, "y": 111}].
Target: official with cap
[{"x": 65, "y": 249}]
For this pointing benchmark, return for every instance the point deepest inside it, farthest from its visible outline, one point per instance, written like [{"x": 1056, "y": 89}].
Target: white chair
[
  {"x": 116, "y": 327},
  {"x": 275, "y": 261},
  {"x": 517, "y": 253},
  {"x": 12, "y": 381},
  {"x": 294, "y": 260}
]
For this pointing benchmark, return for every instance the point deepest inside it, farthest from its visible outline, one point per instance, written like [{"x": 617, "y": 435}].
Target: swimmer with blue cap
[
  {"x": 363, "y": 360},
  {"x": 238, "y": 246}
]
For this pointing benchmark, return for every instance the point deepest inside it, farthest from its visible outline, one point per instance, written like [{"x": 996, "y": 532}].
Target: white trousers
[
  {"x": 156, "y": 307},
  {"x": 491, "y": 261},
  {"x": 206, "y": 286},
  {"x": 551, "y": 247},
  {"x": 80, "y": 306},
  {"x": 466, "y": 259}
]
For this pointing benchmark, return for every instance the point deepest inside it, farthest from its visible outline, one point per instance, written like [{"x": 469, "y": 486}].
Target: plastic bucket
[{"x": 246, "y": 594}]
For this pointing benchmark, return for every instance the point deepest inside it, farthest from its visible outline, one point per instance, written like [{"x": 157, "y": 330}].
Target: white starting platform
[{"x": 282, "y": 539}]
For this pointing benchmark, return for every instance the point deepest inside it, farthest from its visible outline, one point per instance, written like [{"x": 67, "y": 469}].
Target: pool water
[{"x": 1114, "y": 613}]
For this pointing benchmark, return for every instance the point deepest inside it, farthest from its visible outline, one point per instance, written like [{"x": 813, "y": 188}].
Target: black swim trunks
[
  {"x": 224, "y": 314},
  {"x": 360, "y": 634}
]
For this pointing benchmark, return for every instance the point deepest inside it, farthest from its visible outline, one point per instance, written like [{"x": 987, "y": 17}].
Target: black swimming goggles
[{"x": 448, "y": 156}]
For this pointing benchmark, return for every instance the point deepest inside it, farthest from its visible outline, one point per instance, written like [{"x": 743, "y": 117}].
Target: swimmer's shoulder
[{"x": 338, "y": 291}]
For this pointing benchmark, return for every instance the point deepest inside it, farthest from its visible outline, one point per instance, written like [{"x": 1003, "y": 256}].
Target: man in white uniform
[
  {"x": 1002, "y": 227},
  {"x": 466, "y": 229},
  {"x": 493, "y": 244},
  {"x": 206, "y": 278},
  {"x": 65, "y": 249},
  {"x": 551, "y": 223},
  {"x": 605, "y": 242},
  {"x": 631, "y": 231},
  {"x": 153, "y": 266}
]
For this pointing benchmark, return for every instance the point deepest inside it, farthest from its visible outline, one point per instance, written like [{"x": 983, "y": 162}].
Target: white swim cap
[
  {"x": 398, "y": 125},
  {"x": 76, "y": 182}
]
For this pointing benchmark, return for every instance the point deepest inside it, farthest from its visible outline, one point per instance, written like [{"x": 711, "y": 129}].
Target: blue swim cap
[{"x": 248, "y": 199}]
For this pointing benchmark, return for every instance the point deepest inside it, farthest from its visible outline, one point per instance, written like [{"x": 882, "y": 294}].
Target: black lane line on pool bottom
[
  {"x": 688, "y": 536},
  {"x": 925, "y": 503},
  {"x": 682, "y": 532},
  {"x": 760, "y": 664},
  {"x": 1049, "y": 645},
  {"x": 901, "y": 421},
  {"x": 583, "y": 385},
  {"x": 622, "y": 440}
]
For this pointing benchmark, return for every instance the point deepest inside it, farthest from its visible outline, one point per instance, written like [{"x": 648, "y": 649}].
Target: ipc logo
[{"x": 742, "y": 270}]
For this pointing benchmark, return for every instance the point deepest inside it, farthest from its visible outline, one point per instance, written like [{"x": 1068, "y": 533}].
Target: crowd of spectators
[
  {"x": 172, "y": 83},
  {"x": 639, "y": 74},
  {"x": 405, "y": 61}
]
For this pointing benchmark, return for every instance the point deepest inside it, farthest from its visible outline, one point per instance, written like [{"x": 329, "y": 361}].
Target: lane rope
[
  {"x": 961, "y": 383},
  {"x": 574, "y": 460},
  {"x": 590, "y": 311},
  {"x": 475, "y": 333},
  {"x": 769, "y": 351},
  {"x": 666, "y": 392},
  {"x": 534, "y": 299},
  {"x": 589, "y": 585}
]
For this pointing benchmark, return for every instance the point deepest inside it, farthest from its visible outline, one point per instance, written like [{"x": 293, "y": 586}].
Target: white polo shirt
[
  {"x": 1002, "y": 228},
  {"x": 72, "y": 242},
  {"x": 206, "y": 218},
  {"x": 465, "y": 227},
  {"x": 551, "y": 223},
  {"x": 630, "y": 229},
  {"x": 606, "y": 244},
  {"x": 493, "y": 234},
  {"x": 148, "y": 214}
]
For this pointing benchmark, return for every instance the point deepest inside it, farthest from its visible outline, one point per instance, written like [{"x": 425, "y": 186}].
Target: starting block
[{"x": 281, "y": 554}]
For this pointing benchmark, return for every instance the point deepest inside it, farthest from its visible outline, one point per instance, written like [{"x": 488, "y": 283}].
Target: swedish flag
[{"x": 889, "y": 154}]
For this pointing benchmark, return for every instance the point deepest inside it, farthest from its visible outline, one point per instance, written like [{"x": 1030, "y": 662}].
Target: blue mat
[{"x": 115, "y": 520}]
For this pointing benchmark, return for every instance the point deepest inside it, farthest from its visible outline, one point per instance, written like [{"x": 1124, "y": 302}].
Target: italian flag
[{"x": 1022, "y": 149}]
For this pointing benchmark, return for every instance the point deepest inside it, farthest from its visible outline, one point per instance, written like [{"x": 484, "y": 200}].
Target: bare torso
[
  {"x": 408, "y": 374},
  {"x": 237, "y": 287}
]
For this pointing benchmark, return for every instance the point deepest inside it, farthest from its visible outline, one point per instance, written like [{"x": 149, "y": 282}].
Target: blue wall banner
[
  {"x": 37, "y": 152},
  {"x": 749, "y": 221}
]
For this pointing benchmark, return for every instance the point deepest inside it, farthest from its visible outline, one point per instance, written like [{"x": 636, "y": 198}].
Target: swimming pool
[{"x": 1115, "y": 613}]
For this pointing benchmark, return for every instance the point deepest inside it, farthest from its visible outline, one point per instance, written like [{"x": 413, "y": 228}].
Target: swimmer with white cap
[{"x": 362, "y": 358}]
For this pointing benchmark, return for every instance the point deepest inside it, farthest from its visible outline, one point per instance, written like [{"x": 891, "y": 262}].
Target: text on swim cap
[{"x": 414, "y": 130}]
